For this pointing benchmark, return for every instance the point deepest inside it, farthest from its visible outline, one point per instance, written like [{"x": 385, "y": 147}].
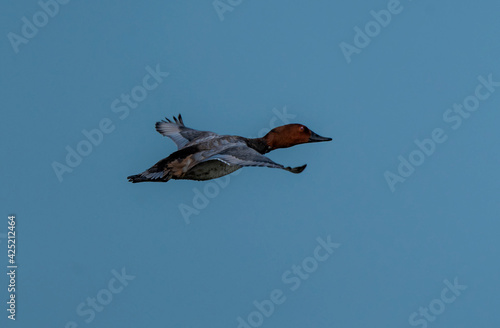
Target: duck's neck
[{"x": 259, "y": 144}]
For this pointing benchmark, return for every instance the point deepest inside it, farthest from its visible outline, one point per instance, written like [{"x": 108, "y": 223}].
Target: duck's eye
[{"x": 301, "y": 128}]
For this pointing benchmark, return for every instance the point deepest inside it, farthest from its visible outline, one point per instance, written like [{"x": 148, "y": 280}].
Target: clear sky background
[{"x": 237, "y": 73}]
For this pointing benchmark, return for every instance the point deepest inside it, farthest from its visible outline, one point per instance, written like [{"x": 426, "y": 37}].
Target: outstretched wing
[
  {"x": 179, "y": 133},
  {"x": 241, "y": 155}
]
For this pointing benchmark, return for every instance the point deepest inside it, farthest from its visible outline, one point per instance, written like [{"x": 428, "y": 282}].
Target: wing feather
[
  {"x": 241, "y": 155},
  {"x": 179, "y": 133}
]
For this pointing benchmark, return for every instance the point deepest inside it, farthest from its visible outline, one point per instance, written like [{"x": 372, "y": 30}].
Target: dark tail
[{"x": 148, "y": 177}]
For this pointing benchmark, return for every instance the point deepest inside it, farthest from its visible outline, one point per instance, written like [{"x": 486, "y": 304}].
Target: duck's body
[{"x": 204, "y": 155}]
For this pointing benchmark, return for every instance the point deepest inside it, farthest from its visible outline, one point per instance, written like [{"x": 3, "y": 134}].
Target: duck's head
[{"x": 290, "y": 135}]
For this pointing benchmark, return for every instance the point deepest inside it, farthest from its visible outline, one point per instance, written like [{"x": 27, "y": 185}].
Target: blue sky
[{"x": 394, "y": 223}]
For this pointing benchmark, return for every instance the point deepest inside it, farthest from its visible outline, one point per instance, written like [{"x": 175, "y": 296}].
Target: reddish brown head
[{"x": 290, "y": 135}]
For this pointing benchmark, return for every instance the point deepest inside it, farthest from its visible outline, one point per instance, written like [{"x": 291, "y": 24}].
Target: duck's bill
[{"x": 317, "y": 138}]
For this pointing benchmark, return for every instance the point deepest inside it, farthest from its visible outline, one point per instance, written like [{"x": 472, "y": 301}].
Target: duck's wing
[
  {"x": 179, "y": 133},
  {"x": 241, "y": 155}
]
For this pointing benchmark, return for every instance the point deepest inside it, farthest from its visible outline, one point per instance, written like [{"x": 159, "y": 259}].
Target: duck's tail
[{"x": 149, "y": 176}]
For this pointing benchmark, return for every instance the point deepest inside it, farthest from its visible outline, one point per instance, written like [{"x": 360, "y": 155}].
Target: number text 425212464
[{"x": 11, "y": 266}]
